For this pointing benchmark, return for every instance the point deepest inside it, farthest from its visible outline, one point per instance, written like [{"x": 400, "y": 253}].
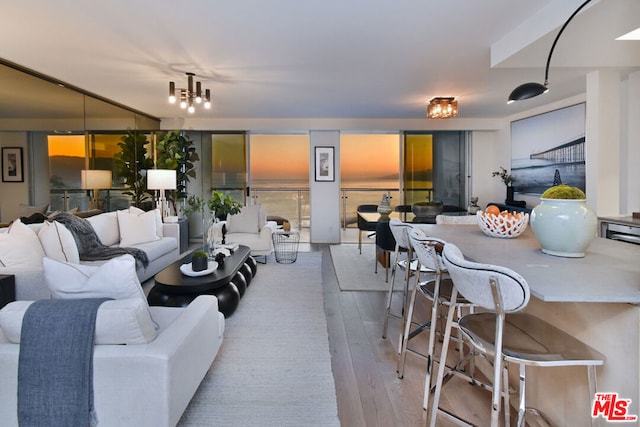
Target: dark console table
[{"x": 228, "y": 283}]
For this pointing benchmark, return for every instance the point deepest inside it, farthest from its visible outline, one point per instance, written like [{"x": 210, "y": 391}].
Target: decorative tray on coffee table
[{"x": 187, "y": 270}]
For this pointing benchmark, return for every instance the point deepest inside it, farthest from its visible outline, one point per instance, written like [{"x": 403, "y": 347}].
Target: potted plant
[
  {"x": 131, "y": 162},
  {"x": 222, "y": 205},
  {"x": 175, "y": 150},
  {"x": 563, "y": 223},
  {"x": 508, "y": 180},
  {"x": 196, "y": 204},
  {"x": 199, "y": 260}
]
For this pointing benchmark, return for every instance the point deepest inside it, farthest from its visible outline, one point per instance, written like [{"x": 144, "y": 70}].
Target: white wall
[
  {"x": 12, "y": 194},
  {"x": 324, "y": 196}
]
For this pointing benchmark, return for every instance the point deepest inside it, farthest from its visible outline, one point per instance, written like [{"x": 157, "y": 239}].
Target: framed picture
[
  {"x": 12, "y": 164},
  {"x": 549, "y": 148},
  {"x": 325, "y": 164}
]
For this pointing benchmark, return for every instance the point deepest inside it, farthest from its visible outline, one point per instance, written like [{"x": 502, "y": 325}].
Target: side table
[
  {"x": 7, "y": 289},
  {"x": 285, "y": 246}
]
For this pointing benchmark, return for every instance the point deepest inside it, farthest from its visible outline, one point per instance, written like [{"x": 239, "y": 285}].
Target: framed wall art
[
  {"x": 549, "y": 148},
  {"x": 325, "y": 164},
  {"x": 12, "y": 164}
]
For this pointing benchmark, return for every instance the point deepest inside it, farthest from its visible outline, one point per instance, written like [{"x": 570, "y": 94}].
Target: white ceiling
[{"x": 321, "y": 59}]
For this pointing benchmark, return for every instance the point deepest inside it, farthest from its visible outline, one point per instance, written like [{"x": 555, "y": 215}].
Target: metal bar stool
[
  {"x": 505, "y": 337},
  {"x": 400, "y": 231},
  {"x": 438, "y": 291}
]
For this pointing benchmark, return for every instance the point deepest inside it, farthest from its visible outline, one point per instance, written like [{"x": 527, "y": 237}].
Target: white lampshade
[
  {"x": 95, "y": 179},
  {"x": 161, "y": 179}
]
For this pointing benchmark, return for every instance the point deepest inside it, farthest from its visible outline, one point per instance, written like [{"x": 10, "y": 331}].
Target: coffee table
[{"x": 228, "y": 283}]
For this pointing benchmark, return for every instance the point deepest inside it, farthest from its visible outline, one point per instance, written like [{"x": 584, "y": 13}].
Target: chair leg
[
  {"x": 387, "y": 311},
  {"x": 443, "y": 357},
  {"x": 592, "y": 382},
  {"x": 360, "y": 241},
  {"x": 407, "y": 330},
  {"x": 432, "y": 342},
  {"x": 497, "y": 372}
]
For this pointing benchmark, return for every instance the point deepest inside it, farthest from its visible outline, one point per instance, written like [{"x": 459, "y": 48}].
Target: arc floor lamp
[{"x": 529, "y": 90}]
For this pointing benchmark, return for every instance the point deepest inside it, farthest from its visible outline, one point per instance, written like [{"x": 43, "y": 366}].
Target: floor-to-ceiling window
[
  {"x": 434, "y": 168},
  {"x": 279, "y": 175},
  {"x": 228, "y": 165},
  {"x": 369, "y": 168}
]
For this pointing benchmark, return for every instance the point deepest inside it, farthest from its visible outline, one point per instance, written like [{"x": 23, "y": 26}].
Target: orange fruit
[{"x": 493, "y": 210}]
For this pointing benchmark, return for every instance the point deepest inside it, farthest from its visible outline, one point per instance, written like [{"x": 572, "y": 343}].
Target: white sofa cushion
[
  {"x": 247, "y": 221},
  {"x": 58, "y": 242},
  {"x": 106, "y": 227},
  {"x": 121, "y": 321},
  {"x": 138, "y": 211},
  {"x": 114, "y": 279},
  {"x": 137, "y": 227},
  {"x": 20, "y": 247}
]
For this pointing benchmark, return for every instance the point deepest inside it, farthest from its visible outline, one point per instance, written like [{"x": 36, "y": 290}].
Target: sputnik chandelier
[
  {"x": 442, "y": 108},
  {"x": 188, "y": 97}
]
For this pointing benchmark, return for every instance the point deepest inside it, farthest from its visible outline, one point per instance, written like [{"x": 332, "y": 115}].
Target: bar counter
[
  {"x": 610, "y": 272},
  {"x": 595, "y": 298}
]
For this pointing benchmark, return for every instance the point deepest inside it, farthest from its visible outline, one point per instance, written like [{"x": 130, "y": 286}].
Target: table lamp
[
  {"x": 162, "y": 180},
  {"x": 95, "y": 180}
]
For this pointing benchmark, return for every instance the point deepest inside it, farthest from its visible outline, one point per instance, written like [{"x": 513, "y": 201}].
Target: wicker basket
[{"x": 503, "y": 226}]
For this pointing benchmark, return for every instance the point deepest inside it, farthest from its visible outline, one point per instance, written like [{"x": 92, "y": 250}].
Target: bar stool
[
  {"x": 505, "y": 337},
  {"x": 400, "y": 231},
  {"x": 438, "y": 291}
]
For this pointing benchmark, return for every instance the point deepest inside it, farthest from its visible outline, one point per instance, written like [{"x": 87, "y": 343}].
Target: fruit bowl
[{"x": 504, "y": 225}]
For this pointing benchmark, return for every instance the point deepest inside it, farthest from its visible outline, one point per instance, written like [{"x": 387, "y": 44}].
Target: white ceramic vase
[{"x": 564, "y": 227}]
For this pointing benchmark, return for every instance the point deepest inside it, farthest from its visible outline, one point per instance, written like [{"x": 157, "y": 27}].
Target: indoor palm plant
[{"x": 563, "y": 223}]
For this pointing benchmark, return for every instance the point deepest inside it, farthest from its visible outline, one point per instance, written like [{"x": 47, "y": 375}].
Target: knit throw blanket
[
  {"x": 89, "y": 245},
  {"x": 55, "y": 365}
]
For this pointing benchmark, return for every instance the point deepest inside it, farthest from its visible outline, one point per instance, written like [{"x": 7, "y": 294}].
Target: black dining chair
[
  {"x": 363, "y": 225},
  {"x": 403, "y": 210}
]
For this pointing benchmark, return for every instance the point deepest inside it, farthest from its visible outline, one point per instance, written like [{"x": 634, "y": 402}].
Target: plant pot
[
  {"x": 199, "y": 263},
  {"x": 564, "y": 227}
]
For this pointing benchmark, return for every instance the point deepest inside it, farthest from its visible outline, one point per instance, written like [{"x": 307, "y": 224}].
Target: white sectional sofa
[
  {"x": 141, "y": 385},
  {"x": 148, "y": 361},
  {"x": 161, "y": 250}
]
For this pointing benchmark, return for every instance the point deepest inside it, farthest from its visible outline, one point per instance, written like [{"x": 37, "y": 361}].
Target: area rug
[
  {"x": 355, "y": 271},
  {"x": 274, "y": 366}
]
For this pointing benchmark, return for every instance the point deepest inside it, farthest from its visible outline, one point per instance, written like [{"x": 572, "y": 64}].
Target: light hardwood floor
[{"x": 369, "y": 391}]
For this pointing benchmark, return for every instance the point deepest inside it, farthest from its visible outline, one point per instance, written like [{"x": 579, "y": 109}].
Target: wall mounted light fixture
[{"x": 529, "y": 90}]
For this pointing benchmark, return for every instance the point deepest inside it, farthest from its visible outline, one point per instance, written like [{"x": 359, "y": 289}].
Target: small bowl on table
[{"x": 505, "y": 225}]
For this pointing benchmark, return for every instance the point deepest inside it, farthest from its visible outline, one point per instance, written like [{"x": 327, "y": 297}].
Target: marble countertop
[
  {"x": 626, "y": 220},
  {"x": 609, "y": 273}
]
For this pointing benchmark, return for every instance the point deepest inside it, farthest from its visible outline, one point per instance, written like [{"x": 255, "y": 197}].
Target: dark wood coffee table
[{"x": 228, "y": 283}]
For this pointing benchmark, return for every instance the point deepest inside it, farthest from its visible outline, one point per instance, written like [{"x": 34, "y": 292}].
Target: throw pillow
[
  {"x": 115, "y": 278},
  {"x": 20, "y": 247},
  {"x": 247, "y": 221},
  {"x": 138, "y": 211},
  {"x": 58, "y": 242},
  {"x": 123, "y": 321},
  {"x": 106, "y": 227},
  {"x": 137, "y": 228}
]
